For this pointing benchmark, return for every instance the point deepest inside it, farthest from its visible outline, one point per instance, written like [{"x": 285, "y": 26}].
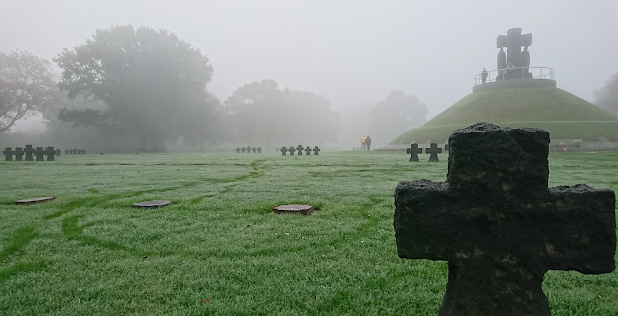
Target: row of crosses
[
  {"x": 300, "y": 149},
  {"x": 433, "y": 151},
  {"x": 30, "y": 153},
  {"x": 248, "y": 149},
  {"x": 75, "y": 151}
]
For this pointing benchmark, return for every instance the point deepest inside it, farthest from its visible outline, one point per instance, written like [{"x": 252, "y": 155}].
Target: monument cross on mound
[
  {"x": 498, "y": 224},
  {"x": 514, "y": 41}
]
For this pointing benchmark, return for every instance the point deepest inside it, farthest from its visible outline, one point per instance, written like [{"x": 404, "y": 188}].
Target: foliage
[
  {"x": 607, "y": 97},
  {"x": 153, "y": 83},
  {"x": 577, "y": 143},
  {"x": 396, "y": 114},
  {"x": 27, "y": 87},
  {"x": 218, "y": 250},
  {"x": 261, "y": 113}
]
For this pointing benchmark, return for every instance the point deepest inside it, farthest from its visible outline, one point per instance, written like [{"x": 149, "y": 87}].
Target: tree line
[{"x": 149, "y": 86}]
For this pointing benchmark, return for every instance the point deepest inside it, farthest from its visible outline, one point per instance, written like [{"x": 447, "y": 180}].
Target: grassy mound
[{"x": 561, "y": 113}]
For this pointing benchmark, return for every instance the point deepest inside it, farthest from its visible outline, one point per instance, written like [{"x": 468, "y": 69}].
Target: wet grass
[{"x": 219, "y": 250}]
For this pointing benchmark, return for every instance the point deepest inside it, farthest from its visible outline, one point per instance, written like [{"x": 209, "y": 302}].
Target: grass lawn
[{"x": 218, "y": 250}]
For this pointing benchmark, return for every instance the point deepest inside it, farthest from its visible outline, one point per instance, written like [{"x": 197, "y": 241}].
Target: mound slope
[{"x": 562, "y": 114}]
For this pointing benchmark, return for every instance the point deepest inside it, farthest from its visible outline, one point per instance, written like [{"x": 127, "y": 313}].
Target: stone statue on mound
[{"x": 513, "y": 42}]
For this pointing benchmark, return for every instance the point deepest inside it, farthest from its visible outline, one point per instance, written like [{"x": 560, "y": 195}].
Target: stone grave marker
[
  {"x": 75, "y": 151},
  {"x": 243, "y": 149},
  {"x": 66, "y": 151},
  {"x": 248, "y": 149},
  {"x": 498, "y": 224},
  {"x": 83, "y": 151},
  {"x": 35, "y": 200},
  {"x": 433, "y": 152},
  {"x": 276, "y": 149},
  {"x": 58, "y": 152},
  {"x": 414, "y": 151},
  {"x": 446, "y": 147},
  {"x": 8, "y": 154},
  {"x": 29, "y": 151},
  {"x": 316, "y": 150},
  {"x": 307, "y": 150},
  {"x": 300, "y": 150},
  {"x": 254, "y": 150},
  {"x": 291, "y": 150},
  {"x": 40, "y": 153},
  {"x": 19, "y": 154},
  {"x": 294, "y": 209},
  {"x": 259, "y": 150},
  {"x": 50, "y": 152},
  {"x": 237, "y": 149},
  {"x": 283, "y": 151},
  {"x": 151, "y": 204}
]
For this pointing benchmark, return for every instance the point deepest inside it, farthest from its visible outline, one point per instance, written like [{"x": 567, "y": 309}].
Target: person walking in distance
[
  {"x": 484, "y": 75},
  {"x": 368, "y": 143},
  {"x": 363, "y": 142}
]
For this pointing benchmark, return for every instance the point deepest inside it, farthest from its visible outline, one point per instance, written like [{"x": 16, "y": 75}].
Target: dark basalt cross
[
  {"x": 498, "y": 224},
  {"x": 243, "y": 149},
  {"x": 300, "y": 150},
  {"x": 40, "y": 153},
  {"x": 238, "y": 150},
  {"x": 19, "y": 154},
  {"x": 253, "y": 150},
  {"x": 308, "y": 151},
  {"x": 8, "y": 154},
  {"x": 259, "y": 150},
  {"x": 433, "y": 152},
  {"x": 283, "y": 151},
  {"x": 248, "y": 149},
  {"x": 29, "y": 151},
  {"x": 50, "y": 152},
  {"x": 291, "y": 150},
  {"x": 316, "y": 151},
  {"x": 414, "y": 151}
]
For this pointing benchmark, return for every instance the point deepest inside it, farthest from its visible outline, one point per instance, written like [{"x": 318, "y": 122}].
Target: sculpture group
[{"x": 514, "y": 63}]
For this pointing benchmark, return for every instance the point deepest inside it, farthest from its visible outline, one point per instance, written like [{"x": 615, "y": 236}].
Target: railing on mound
[{"x": 516, "y": 73}]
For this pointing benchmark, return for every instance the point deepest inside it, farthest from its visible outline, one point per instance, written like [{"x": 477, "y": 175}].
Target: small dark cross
[
  {"x": 446, "y": 147},
  {"x": 83, "y": 151},
  {"x": 8, "y": 153},
  {"x": 66, "y": 151},
  {"x": 243, "y": 149},
  {"x": 499, "y": 226},
  {"x": 248, "y": 149},
  {"x": 316, "y": 150},
  {"x": 254, "y": 150},
  {"x": 58, "y": 152},
  {"x": 283, "y": 151},
  {"x": 433, "y": 152},
  {"x": 308, "y": 150},
  {"x": 19, "y": 153},
  {"x": 29, "y": 151},
  {"x": 238, "y": 149},
  {"x": 75, "y": 151},
  {"x": 259, "y": 150},
  {"x": 414, "y": 151},
  {"x": 300, "y": 150},
  {"x": 291, "y": 150},
  {"x": 50, "y": 152},
  {"x": 39, "y": 152}
]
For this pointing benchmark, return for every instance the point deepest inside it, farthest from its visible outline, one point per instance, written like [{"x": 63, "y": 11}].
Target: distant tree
[
  {"x": 261, "y": 113},
  {"x": 154, "y": 84},
  {"x": 27, "y": 87},
  {"x": 607, "y": 97},
  {"x": 391, "y": 117}
]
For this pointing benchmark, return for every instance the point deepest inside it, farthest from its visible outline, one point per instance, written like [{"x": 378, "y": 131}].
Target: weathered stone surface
[
  {"x": 294, "y": 209},
  {"x": 36, "y": 200},
  {"x": 498, "y": 224},
  {"x": 152, "y": 204}
]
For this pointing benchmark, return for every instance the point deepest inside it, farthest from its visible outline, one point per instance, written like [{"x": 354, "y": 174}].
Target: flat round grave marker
[
  {"x": 294, "y": 209},
  {"x": 35, "y": 200},
  {"x": 152, "y": 204}
]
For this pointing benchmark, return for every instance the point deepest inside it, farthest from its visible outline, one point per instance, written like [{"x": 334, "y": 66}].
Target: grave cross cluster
[
  {"x": 249, "y": 150},
  {"x": 299, "y": 150},
  {"x": 30, "y": 153},
  {"x": 433, "y": 152},
  {"x": 498, "y": 224},
  {"x": 75, "y": 151}
]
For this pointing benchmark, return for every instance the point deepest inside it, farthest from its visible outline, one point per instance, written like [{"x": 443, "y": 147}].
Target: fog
[{"x": 351, "y": 52}]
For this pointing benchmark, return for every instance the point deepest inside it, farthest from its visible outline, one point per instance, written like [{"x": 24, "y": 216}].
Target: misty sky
[{"x": 352, "y": 52}]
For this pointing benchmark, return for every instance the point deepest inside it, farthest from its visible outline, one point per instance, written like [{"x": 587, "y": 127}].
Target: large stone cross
[
  {"x": 498, "y": 224},
  {"x": 514, "y": 41},
  {"x": 414, "y": 151},
  {"x": 433, "y": 152}
]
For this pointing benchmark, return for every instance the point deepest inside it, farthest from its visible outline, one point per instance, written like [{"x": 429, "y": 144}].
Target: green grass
[
  {"x": 218, "y": 250},
  {"x": 562, "y": 114}
]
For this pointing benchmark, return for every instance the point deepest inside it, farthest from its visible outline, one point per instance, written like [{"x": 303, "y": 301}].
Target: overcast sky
[{"x": 351, "y": 52}]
